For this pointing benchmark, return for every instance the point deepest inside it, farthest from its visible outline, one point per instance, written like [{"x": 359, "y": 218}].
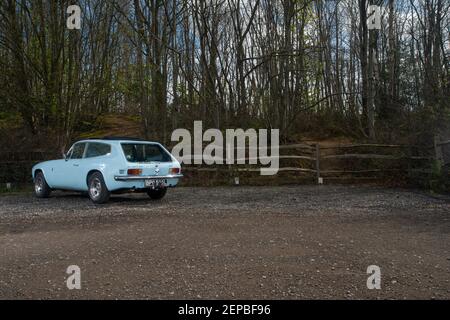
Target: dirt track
[{"x": 230, "y": 242}]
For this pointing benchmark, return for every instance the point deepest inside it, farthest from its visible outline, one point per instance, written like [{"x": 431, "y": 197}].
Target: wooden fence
[
  {"x": 442, "y": 151},
  {"x": 15, "y": 167},
  {"x": 337, "y": 162},
  {"x": 318, "y": 163}
]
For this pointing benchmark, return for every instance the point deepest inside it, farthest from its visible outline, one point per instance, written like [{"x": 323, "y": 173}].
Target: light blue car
[{"x": 109, "y": 165}]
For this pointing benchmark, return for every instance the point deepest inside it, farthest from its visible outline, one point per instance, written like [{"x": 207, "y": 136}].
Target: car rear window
[
  {"x": 142, "y": 152},
  {"x": 96, "y": 149}
]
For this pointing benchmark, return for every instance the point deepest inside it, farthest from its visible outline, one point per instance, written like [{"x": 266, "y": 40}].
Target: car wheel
[
  {"x": 98, "y": 192},
  {"x": 157, "y": 194},
  {"x": 41, "y": 188}
]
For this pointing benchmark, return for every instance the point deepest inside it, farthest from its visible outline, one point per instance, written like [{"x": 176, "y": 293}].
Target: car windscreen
[{"x": 144, "y": 152}]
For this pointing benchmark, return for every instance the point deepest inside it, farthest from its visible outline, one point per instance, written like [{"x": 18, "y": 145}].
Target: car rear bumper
[{"x": 138, "y": 178}]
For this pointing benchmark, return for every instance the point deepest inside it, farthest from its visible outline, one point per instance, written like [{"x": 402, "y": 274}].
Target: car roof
[
  {"x": 116, "y": 140},
  {"x": 121, "y": 138}
]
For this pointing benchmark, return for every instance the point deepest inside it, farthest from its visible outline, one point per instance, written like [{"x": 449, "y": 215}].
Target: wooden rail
[
  {"x": 443, "y": 143},
  {"x": 373, "y": 156},
  {"x": 370, "y": 145}
]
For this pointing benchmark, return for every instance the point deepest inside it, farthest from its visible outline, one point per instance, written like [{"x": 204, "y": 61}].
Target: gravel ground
[{"x": 291, "y": 242}]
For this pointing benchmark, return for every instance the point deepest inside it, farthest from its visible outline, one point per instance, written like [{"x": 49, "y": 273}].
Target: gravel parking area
[{"x": 292, "y": 242}]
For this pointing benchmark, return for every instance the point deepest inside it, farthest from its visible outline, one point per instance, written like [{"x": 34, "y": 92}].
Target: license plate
[{"x": 154, "y": 183}]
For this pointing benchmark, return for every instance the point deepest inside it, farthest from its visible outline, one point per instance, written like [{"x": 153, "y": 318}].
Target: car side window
[
  {"x": 96, "y": 149},
  {"x": 78, "y": 150}
]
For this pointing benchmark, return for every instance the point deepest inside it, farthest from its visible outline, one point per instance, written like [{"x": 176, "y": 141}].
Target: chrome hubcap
[
  {"x": 38, "y": 185},
  {"x": 95, "y": 188}
]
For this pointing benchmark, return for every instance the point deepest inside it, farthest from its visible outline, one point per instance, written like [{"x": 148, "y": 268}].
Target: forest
[{"x": 308, "y": 68}]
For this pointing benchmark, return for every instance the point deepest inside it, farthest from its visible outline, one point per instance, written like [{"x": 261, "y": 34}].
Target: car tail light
[
  {"x": 134, "y": 172},
  {"x": 174, "y": 170}
]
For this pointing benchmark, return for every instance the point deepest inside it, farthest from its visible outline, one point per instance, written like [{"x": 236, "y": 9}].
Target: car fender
[
  {"x": 108, "y": 167},
  {"x": 45, "y": 167},
  {"x": 96, "y": 168}
]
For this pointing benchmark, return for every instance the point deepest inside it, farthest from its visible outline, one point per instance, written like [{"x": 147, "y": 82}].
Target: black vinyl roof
[{"x": 118, "y": 138}]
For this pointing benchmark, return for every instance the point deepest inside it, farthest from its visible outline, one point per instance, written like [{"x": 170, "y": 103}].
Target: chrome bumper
[{"x": 134, "y": 178}]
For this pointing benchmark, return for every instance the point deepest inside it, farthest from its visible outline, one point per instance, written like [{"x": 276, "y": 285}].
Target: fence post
[
  {"x": 438, "y": 151},
  {"x": 409, "y": 155},
  {"x": 319, "y": 179}
]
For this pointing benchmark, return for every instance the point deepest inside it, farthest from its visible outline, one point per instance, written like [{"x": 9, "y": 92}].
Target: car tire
[
  {"x": 41, "y": 188},
  {"x": 157, "y": 194},
  {"x": 97, "y": 190}
]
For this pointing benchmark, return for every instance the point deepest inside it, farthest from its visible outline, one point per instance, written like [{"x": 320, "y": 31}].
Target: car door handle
[{"x": 76, "y": 165}]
